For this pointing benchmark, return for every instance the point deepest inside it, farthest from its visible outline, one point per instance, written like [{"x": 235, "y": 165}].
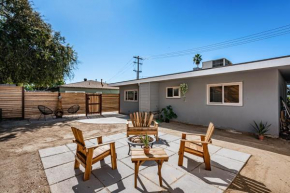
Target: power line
[
  {"x": 283, "y": 30},
  {"x": 122, "y": 69}
]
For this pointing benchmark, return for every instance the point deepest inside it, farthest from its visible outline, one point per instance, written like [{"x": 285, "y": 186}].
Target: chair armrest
[
  {"x": 99, "y": 145},
  {"x": 95, "y": 137},
  {"x": 155, "y": 124},
  {"x": 194, "y": 134},
  {"x": 195, "y": 141}
]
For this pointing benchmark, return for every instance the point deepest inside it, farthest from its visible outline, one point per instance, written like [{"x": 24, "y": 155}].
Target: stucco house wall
[
  {"x": 261, "y": 92},
  {"x": 260, "y": 101}
]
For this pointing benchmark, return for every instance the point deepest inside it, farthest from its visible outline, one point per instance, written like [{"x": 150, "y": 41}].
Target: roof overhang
[{"x": 255, "y": 65}]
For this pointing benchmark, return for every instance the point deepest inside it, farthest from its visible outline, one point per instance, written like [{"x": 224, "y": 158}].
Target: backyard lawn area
[{"x": 21, "y": 169}]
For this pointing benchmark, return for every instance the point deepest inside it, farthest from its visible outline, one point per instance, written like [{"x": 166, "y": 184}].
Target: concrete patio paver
[
  {"x": 108, "y": 176},
  {"x": 62, "y": 172},
  {"x": 216, "y": 177},
  {"x": 169, "y": 174},
  {"x": 53, "y": 150},
  {"x": 57, "y": 159},
  {"x": 127, "y": 185},
  {"x": 225, "y": 163},
  {"x": 236, "y": 155},
  {"x": 188, "y": 163},
  {"x": 192, "y": 184},
  {"x": 129, "y": 163},
  {"x": 58, "y": 163},
  {"x": 77, "y": 185}
]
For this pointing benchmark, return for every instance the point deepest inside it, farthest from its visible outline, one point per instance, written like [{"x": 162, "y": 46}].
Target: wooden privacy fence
[
  {"x": 11, "y": 101},
  {"x": 16, "y": 103}
]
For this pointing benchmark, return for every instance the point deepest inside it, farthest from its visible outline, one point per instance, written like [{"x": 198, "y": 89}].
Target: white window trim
[
  {"x": 134, "y": 101},
  {"x": 226, "y": 84},
  {"x": 173, "y": 97}
]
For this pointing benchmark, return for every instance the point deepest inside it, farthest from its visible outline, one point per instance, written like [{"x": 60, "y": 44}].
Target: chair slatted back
[
  {"x": 209, "y": 132},
  {"x": 79, "y": 138},
  {"x": 141, "y": 119}
]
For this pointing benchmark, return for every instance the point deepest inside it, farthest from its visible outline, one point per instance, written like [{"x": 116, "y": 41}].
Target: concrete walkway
[{"x": 58, "y": 163}]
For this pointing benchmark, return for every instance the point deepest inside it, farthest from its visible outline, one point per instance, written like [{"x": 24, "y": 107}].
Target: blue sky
[{"x": 108, "y": 33}]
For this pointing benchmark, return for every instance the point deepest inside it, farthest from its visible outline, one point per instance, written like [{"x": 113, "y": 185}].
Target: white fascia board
[{"x": 279, "y": 62}]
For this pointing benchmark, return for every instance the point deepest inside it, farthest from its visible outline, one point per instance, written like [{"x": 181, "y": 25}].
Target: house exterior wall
[
  {"x": 260, "y": 101},
  {"x": 125, "y": 106},
  {"x": 149, "y": 97},
  {"x": 89, "y": 90},
  {"x": 144, "y": 97},
  {"x": 154, "y": 96}
]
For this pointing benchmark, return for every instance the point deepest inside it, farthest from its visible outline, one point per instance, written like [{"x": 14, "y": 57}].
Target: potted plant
[
  {"x": 197, "y": 59},
  {"x": 261, "y": 129},
  {"x": 167, "y": 114},
  {"x": 146, "y": 141}
]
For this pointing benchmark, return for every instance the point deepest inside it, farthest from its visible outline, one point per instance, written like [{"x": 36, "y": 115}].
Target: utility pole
[{"x": 138, "y": 65}]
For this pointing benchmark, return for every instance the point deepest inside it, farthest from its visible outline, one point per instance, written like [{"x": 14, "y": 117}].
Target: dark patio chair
[
  {"x": 73, "y": 109},
  {"x": 44, "y": 111}
]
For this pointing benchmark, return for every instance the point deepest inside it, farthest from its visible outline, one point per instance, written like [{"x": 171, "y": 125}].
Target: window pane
[
  {"x": 130, "y": 95},
  {"x": 231, "y": 94},
  {"x": 136, "y": 96},
  {"x": 176, "y": 92},
  {"x": 216, "y": 94},
  {"x": 170, "y": 92}
]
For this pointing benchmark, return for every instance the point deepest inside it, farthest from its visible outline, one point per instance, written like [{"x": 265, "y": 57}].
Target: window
[
  {"x": 173, "y": 92},
  {"x": 225, "y": 94},
  {"x": 131, "y": 95}
]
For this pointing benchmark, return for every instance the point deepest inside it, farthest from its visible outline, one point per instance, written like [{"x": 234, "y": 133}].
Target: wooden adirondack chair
[
  {"x": 87, "y": 156},
  {"x": 141, "y": 122},
  {"x": 196, "y": 147}
]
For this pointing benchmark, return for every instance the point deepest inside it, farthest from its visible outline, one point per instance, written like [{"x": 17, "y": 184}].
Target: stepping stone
[
  {"x": 236, "y": 155},
  {"x": 216, "y": 177},
  {"x": 127, "y": 185},
  {"x": 192, "y": 184},
  {"x": 58, "y": 159},
  {"x": 62, "y": 172},
  {"x": 76, "y": 184},
  {"x": 53, "y": 151},
  {"x": 108, "y": 176},
  {"x": 169, "y": 174}
]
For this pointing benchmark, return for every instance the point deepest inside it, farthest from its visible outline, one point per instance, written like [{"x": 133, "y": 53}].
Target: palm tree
[{"x": 197, "y": 59}]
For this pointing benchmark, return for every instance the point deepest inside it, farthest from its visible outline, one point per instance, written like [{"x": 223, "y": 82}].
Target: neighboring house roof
[
  {"x": 253, "y": 65},
  {"x": 88, "y": 84}
]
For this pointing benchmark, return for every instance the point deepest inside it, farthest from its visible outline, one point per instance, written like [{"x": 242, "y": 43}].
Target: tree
[
  {"x": 197, "y": 59},
  {"x": 30, "y": 51}
]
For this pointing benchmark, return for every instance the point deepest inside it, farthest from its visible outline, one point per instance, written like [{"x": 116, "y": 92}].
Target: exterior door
[{"x": 93, "y": 104}]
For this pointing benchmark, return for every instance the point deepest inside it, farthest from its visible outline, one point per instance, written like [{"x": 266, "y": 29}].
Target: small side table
[{"x": 156, "y": 154}]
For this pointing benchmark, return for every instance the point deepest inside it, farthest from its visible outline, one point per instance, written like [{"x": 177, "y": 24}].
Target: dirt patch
[{"x": 22, "y": 171}]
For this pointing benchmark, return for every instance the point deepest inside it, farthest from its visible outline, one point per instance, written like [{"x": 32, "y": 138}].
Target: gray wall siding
[
  {"x": 125, "y": 106},
  {"x": 154, "y": 94},
  {"x": 144, "y": 97},
  {"x": 260, "y": 101}
]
